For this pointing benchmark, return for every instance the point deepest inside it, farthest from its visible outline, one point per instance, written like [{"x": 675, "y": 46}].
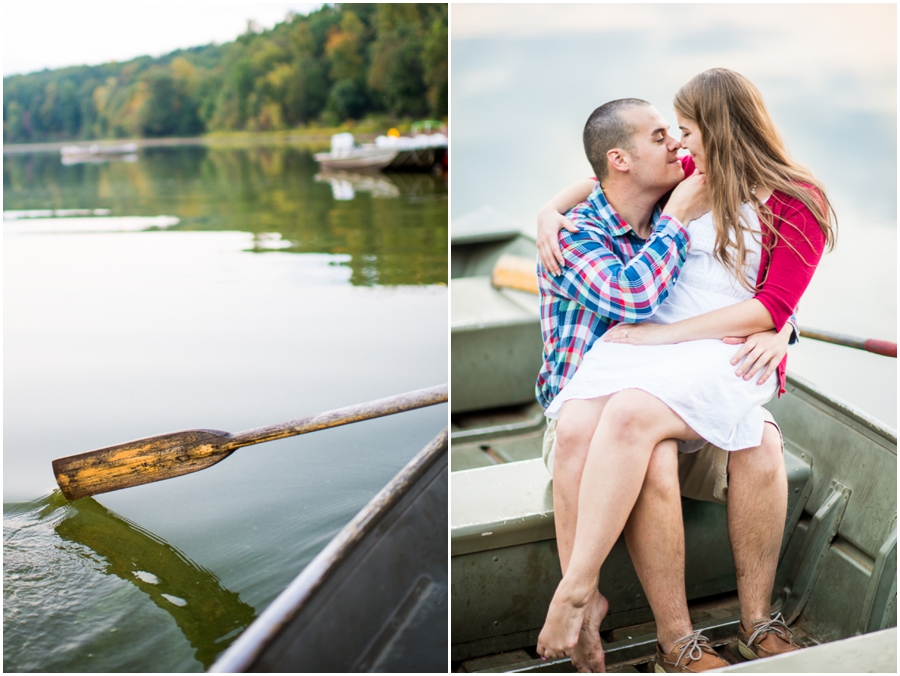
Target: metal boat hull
[
  {"x": 375, "y": 599},
  {"x": 371, "y": 158},
  {"x": 363, "y": 159}
]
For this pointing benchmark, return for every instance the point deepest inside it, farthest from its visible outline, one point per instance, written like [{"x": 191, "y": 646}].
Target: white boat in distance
[
  {"x": 420, "y": 152},
  {"x": 126, "y": 152},
  {"x": 97, "y": 149}
]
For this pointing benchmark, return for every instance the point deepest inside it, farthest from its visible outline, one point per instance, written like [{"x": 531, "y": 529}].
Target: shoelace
[
  {"x": 694, "y": 646},
  {"x": 776, "y": 624}
]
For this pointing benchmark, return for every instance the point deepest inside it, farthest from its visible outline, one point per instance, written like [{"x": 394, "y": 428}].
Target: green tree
[
  {"x": 13, "y": 123},
  {"x": 435, "y": 62},
  {"x": 347, "y": 100},
  {"x": 339, "y": 62},
  {"x": 166, "y": 108},
  {"x": 344, "y": 49},
  {"x": 68, "y": 110},
  {"x": 48, "y": 112},
  {"x": 242, "y": 81},
  {"x": 398, "y": 73}
]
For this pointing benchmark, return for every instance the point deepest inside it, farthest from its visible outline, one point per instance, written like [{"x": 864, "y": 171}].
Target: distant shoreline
[{"x": 319, "y": 138}]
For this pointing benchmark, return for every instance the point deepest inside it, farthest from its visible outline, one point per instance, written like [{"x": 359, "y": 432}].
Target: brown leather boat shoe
[
  {"x": 767, "y": 638},
  {"x": 690, "y": 654}
]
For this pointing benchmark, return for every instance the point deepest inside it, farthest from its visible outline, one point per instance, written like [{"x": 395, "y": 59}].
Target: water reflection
[
  {"x": 83, "y": 225},
  {"x": 411, "y": 186},
  {"x": 394, "y": 229},
  {"x": 98, "y": 159},
  {"x": 345, "y": 184},
  {"x": 209, "y": 616}
]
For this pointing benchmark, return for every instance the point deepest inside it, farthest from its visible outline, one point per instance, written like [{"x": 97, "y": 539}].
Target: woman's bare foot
[
  {"x": 588, "y": 656},
  {"x": 565, "y": 617}
]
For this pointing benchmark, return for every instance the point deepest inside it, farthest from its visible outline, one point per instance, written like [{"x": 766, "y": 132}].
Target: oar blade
[{"x": 140, "y": 462}]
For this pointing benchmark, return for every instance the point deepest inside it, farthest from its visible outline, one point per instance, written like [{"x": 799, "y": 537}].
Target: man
[{"x": 621, "y": 263}]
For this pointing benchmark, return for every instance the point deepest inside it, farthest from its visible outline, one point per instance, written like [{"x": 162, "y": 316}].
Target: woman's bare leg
[
  {"x": 578, "y": 420},
  {"x": 631, "y": 425}
]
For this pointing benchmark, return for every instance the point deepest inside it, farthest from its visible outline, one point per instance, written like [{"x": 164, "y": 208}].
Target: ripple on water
[
  {"x": 144, "y": 576},
  {"x": 110, "y": 612}
]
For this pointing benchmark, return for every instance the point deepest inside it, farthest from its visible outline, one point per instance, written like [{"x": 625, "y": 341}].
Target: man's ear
[{"x": 618, "y": 159}]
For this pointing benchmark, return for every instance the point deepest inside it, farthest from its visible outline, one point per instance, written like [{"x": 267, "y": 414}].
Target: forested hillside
[{"x": 341, "y": 62}]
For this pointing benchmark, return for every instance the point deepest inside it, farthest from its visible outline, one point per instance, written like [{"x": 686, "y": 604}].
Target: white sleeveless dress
[{"x": 696, "y": 379}]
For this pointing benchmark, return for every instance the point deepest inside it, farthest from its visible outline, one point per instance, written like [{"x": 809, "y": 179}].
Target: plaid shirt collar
[{"x": 609, "y": 217}]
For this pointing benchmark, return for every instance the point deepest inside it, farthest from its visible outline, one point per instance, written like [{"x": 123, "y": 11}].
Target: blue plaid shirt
[{"x": 611, "y": 275}]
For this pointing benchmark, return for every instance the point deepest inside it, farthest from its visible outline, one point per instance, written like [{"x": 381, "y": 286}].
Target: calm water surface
[
  {"x": 268, "y": 293},
  {"x": 525, "y": 80}
]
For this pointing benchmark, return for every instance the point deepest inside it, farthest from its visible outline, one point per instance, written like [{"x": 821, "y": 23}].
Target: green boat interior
[
  {"x": 837, "y": 573},
  {"x": 836, "y": 576}
]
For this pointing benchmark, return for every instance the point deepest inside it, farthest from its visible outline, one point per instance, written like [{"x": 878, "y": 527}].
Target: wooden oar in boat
[
  {"x": 169, "y": 455},
  {"x": 883, "y": 347},
  {"x": 517, "y": 272}
]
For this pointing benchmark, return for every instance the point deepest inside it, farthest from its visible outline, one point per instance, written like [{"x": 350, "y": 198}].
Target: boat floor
[{"x": 633, "y": 649}]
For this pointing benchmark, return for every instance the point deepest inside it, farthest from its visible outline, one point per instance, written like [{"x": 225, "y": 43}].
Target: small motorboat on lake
[
  {"x": 96, "y": 152},
  {"x": 837, "y": 576},
  {"x": 394, "y": 152}
]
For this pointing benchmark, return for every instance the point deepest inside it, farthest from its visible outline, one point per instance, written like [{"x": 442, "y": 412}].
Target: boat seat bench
[
  {"x": 484, "y": 318},
  {"x": 505, "y": 564}
]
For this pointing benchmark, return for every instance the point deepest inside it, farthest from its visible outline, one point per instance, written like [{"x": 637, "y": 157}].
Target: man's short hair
[{"x": 606, "y": 129}]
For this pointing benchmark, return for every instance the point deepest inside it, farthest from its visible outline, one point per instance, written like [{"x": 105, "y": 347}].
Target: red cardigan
[{"x": 793, "y": 260}]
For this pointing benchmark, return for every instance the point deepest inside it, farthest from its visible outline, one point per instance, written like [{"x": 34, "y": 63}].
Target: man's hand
[
  {"x": 550, "y": 222},
  {"x": 760, "y": 352},
  {"x": 689, "y": 200},
  {"x": 644, "y": 333}
]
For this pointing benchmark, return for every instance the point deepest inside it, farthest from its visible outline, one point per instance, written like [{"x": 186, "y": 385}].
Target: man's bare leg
[
  {"x": 757, "y": 510},
  {"x": 654, "y": 534},
  {"x": 631, "y": 425}
]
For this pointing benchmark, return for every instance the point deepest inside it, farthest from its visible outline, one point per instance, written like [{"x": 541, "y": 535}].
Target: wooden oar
[
  {"x": 169, "y": 455},
  {"x": 873, "y": 345}
]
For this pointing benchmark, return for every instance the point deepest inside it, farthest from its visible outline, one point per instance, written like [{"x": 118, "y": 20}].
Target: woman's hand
[
  {"x": 550, "y": 222},
  {"x": 644, "y": 333},
  {"x": 760, "y": 352},
  {"x": 690, "y": 200}
]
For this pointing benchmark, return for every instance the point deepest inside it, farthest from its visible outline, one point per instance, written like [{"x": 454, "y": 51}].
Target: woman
[{"x": 673, "y": 373}]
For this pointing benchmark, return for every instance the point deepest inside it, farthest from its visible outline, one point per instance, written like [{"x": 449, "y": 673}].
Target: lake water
[
  {"x": 222, "y": 288},
  {"x": 525, "y": 79}
]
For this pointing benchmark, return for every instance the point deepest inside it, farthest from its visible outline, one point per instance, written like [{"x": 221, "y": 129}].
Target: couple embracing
[{"x": 667, "y": 307}]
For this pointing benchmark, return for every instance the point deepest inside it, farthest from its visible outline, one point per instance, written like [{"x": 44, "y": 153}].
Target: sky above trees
[{"x": 38, "y": 35}]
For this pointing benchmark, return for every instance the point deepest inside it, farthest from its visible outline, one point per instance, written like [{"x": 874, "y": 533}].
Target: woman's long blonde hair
[{"x": 744, "y": 150}]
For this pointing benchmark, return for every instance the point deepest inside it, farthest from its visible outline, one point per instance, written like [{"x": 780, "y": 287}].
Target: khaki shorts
[{"x": 703, "y": 474}]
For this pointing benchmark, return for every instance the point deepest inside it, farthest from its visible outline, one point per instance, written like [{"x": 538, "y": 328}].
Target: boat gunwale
[
  {"x": 250, "y": 645},
  {"x": 858, "y": 419}
]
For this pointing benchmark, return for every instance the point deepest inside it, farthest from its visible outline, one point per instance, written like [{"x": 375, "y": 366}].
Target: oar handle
[
  {"x": 883, "y": 347},
  {"x": 342, "y": 416}
]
